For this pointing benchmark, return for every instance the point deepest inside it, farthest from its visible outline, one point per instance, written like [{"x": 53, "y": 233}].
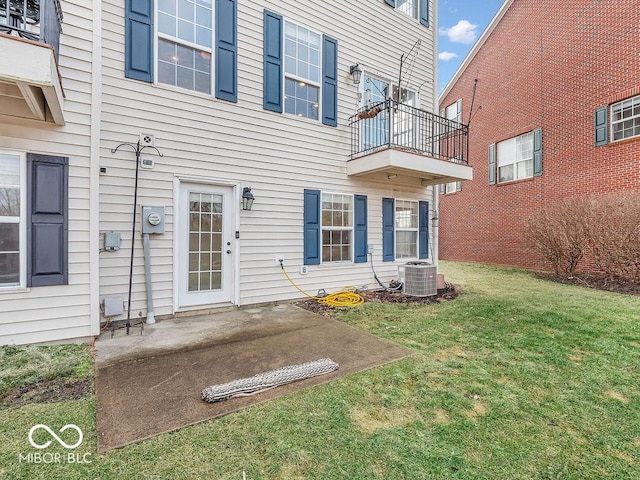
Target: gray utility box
[{"x": 152, "y": 220}]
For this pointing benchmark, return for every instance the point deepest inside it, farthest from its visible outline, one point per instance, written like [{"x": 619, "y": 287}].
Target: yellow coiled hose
[{"x": 344, "y": 298}]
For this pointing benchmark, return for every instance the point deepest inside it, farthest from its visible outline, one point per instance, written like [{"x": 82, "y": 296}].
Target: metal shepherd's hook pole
[{"x": 138, "y": 150}]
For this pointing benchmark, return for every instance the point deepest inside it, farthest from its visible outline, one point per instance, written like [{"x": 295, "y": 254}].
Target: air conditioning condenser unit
[{"x": 420, "y": 279}]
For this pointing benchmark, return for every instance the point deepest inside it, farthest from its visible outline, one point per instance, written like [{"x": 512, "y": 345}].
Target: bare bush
[
  {"x": 605, "y": 227},
  {"x": 615, "y": 235},
  {"x": 561, "y": 233}
]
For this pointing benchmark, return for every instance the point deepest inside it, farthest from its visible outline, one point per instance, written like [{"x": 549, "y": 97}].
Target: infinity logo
[{"x": 53, "y": 434}]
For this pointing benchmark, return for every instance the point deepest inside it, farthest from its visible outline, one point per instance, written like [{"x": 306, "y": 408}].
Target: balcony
[
  {"x": 30, "y": 85},
  {"x": 392, "y": 140}
]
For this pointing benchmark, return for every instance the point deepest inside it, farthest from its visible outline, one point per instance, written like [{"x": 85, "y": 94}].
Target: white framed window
[
  {"x": 408, "y": 7},
  {"x": 515, "y": 158},
  {"x": 12, "y": 219},
  {"x": 450, "y": 187},
  {"x": 185, "y": 44},
  {"x": 454, "y": 111},
  {"x": 625, "y": 119},
  {"x": 406, "y": 227},
  {"x": 337, "y": 227},
  {"x": 302, "y": 71}
]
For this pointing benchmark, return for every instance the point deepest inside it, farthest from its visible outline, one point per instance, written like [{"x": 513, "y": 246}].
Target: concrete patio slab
[{"x": 161, "y": 373}]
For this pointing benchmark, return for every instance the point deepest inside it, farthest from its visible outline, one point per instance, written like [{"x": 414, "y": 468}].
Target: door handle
[{"x": 229, "y": 251}]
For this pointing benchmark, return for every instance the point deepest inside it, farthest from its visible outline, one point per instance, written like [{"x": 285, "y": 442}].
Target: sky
[{"x": 460, "y": 25}]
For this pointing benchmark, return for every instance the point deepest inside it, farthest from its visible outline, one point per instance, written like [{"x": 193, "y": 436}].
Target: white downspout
[
  {"x": 151, "y": 319},
  {"x": 434, "y": 222},
  {"x": 435, "y": 189},
  {"x": 94, "y": 169}
]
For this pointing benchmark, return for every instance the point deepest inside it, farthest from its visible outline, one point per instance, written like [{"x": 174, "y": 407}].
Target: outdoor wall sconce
[
  {"x": 356, "y": 73},
  {"x": 247, "y": 198}
]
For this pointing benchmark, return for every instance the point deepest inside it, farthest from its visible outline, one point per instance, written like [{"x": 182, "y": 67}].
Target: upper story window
[
  {"x": 172, "y": 42},
  {"x": 300, "y": 70},
  {"x": 625, "y": 119},
  {"x": 302, "y": 53},
  {"x": 515, "y": 158},
  {"x": 418, "y": 9},
  {"x": 337, "y": 227},
  {"x": 408, "y": 7},
  {"x": 185, "y": 38},
  {"x": 454, "y": 111}
]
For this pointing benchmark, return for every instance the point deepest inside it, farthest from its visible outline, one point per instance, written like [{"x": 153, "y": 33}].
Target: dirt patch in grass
[
  {"x": 384, "y": 296},
  {"x": 617, "y": 285},
  {"x": 48, "y": 391}
]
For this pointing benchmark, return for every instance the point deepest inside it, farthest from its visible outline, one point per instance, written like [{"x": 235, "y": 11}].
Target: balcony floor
[{"x": 390, "y": 163}]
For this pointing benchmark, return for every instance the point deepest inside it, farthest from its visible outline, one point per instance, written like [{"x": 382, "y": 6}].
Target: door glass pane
[
  {"x": 205, "y": 242},
  {"x": 375, "y": 128}
]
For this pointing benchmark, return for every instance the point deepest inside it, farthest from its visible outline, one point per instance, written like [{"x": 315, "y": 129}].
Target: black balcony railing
[
  {"x": 390, "y": 124},
  {"x": 38, "y": 20}
]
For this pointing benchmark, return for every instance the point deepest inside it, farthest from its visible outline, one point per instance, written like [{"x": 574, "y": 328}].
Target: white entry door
[{"x": 205, "y": 245}]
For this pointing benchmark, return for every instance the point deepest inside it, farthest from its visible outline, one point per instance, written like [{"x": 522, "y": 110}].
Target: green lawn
[{"x": 517, "y": 378}]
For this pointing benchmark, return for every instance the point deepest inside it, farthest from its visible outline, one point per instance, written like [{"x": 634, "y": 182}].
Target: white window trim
[
  {"x": 195, "y": 46},
  {"x": 611, "y": 122},
  {"x": 23, "y": 223},
  {"x": 351, "y": 228},
  {"x": 398, "y": 229},
  {"x": 297, "y": 78}
]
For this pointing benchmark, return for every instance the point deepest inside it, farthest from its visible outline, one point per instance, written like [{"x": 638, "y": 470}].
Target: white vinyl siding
[
  {"x": 55, "y": 313},
  {"x": 241, "y": 144}
]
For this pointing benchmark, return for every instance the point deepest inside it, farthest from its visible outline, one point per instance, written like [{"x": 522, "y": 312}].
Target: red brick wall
[{"x": 547, "y": 64}]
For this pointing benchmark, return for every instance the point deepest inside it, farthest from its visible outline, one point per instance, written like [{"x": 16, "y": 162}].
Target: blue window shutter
[
  {"x": 388, "y": 230},
  {"x": 492, "y": 164},
  {"x": 424, "y": 12},
  {"x": 272, "y": 50},
  {"x": 47, "y": 220},
  {"x": 423, "y": 229},
  {"x": 312, "y": 227},
  {"x": 226, "y": 69},
  {"x": 537, "y": 152},
  {"x": 360, "y": 228},
  {"x": 329, "y": 81},
  {"x": 138, "y": 44},
  {"x": 391, "y": 3},
  {"x": 601, "y": 126}
]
